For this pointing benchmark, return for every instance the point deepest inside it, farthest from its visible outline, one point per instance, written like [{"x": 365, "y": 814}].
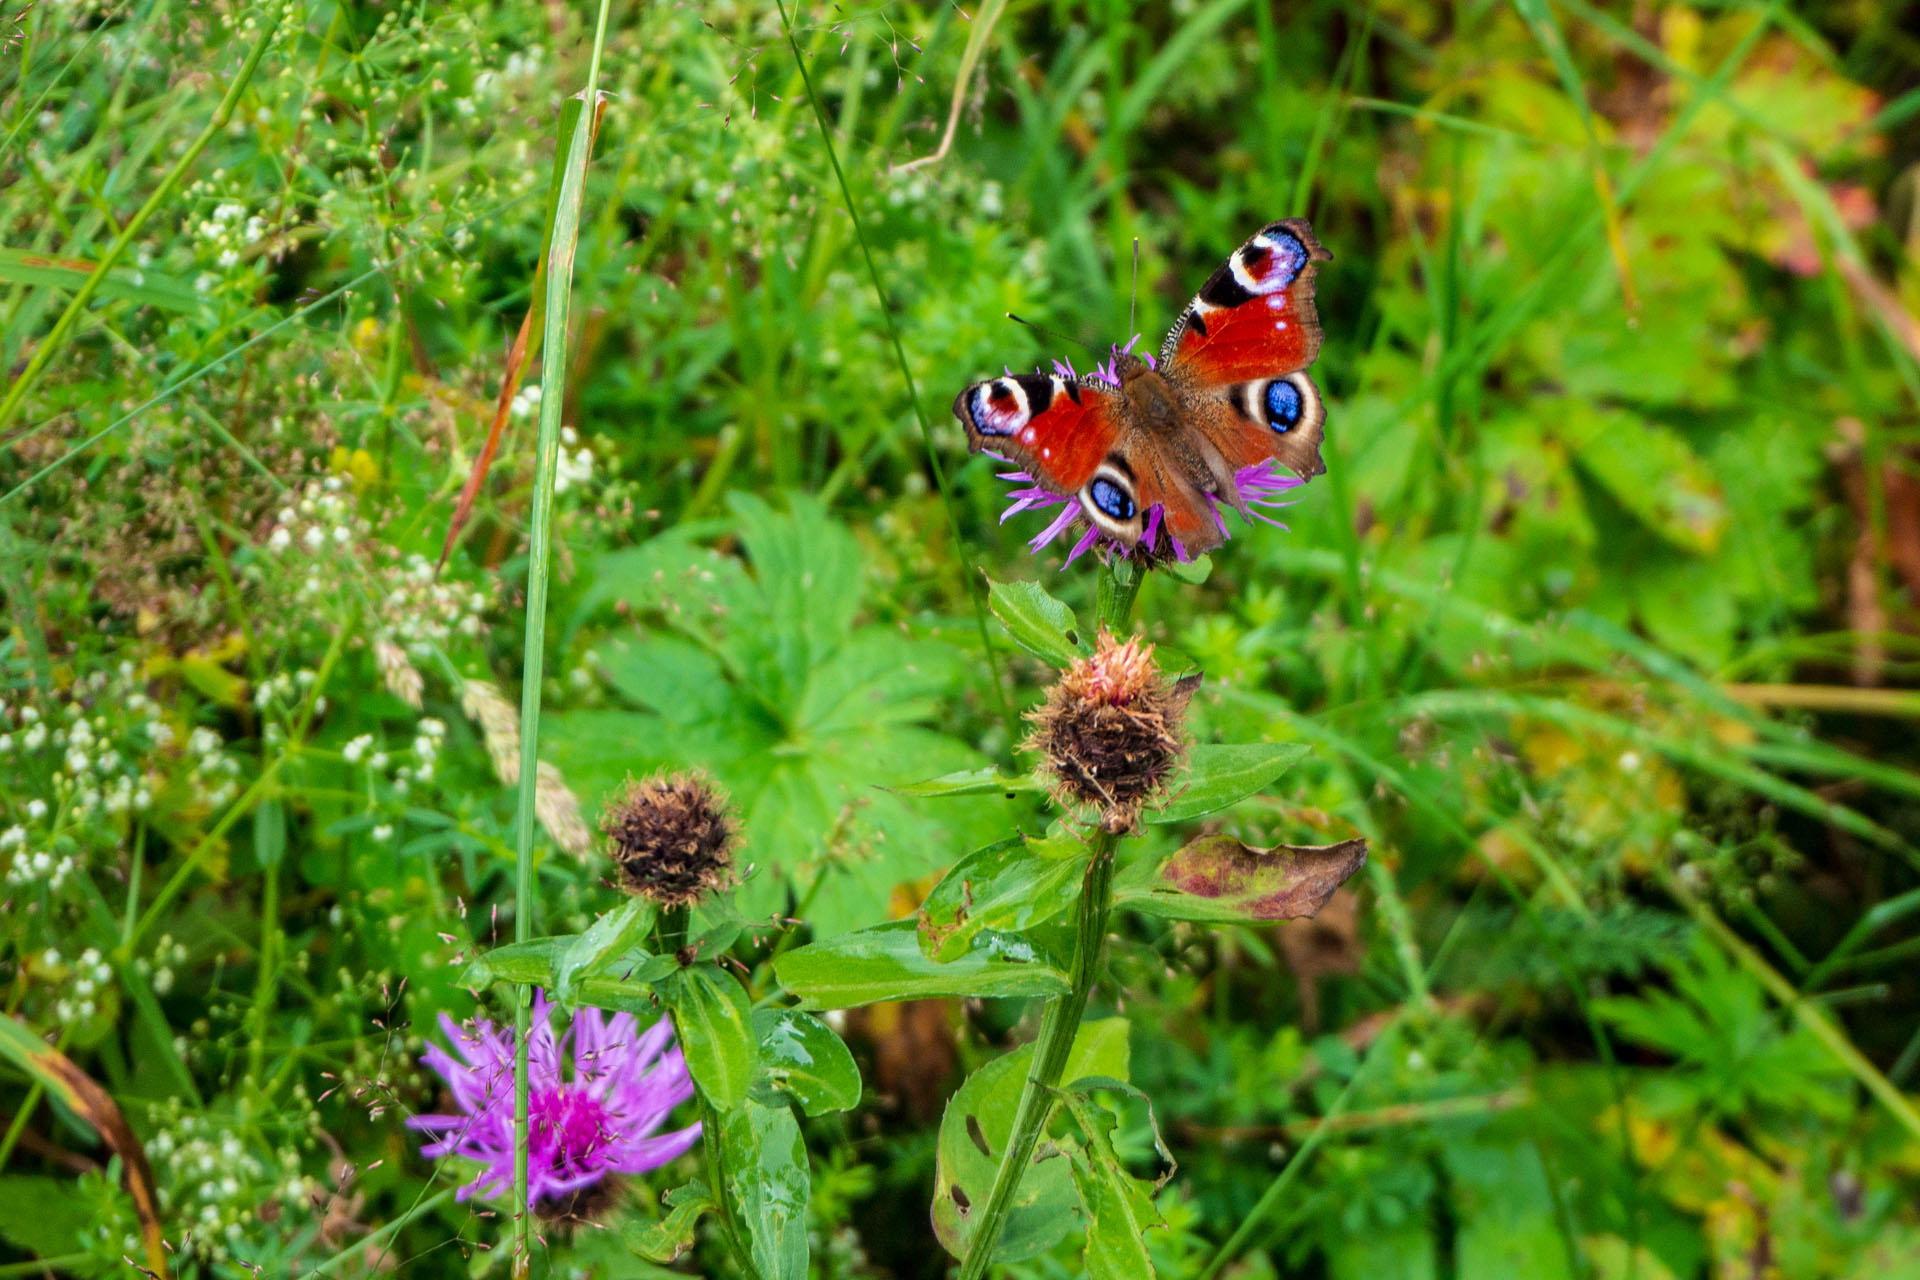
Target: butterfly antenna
[
  {"x": 1133, "y": 299},
  {"x": 1054, "y": 333}
]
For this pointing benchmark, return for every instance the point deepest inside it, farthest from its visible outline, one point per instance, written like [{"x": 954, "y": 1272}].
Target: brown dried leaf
[{"x": 1218, "y": 878}]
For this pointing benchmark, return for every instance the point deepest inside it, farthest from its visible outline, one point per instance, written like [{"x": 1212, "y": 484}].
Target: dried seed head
[
  {"x": 1109, "y": 733},
  {"x": 672, "y": 837}
]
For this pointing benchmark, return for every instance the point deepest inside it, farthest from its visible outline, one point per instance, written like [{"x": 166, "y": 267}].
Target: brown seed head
[
  {"x": 1109, "y": 733},
  {"x": 672, "y": 838}
]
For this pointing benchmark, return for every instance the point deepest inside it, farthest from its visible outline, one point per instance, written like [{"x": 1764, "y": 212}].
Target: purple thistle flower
[
  {"x": 1260, "y": 486},
  {"x": 582, "y": 1125}
]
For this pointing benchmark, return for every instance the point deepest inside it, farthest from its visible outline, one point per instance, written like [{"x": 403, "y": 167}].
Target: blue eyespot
[
  {"x": 1283, "y": 405},
  {"x": 1111, "y": 499}
]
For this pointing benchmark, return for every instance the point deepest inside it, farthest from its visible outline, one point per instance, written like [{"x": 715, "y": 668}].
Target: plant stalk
[
  {"x": 560, "y": 254},
  {"x": 1116, "y": 592},
  {"x": 1050, "y": 1053}
]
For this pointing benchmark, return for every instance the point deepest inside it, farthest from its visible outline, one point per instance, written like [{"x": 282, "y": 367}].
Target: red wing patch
[
  {"x": 1057, "y": 429},
  {"x": 1254, "y": 317}
]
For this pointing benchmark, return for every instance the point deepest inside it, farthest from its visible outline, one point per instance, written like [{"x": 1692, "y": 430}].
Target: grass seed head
[
  {"x": 672, "y": 837},
  {"x": 1110, "y": 732}
]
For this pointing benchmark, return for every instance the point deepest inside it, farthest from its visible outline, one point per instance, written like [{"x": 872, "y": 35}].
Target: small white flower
[
  {"x": 36, "y": 808},
  {"x": 357, "y": 749},
  {"x": 281, "y": 539},
  {"x": 383, "y": 833}
]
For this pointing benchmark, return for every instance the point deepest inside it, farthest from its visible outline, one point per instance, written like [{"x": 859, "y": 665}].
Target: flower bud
[
  {"x": 1109, "y": 733},
  {"x": 672, "y": 838}
]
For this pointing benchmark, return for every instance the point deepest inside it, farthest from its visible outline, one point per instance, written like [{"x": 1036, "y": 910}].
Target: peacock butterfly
[{"x": 1150, "y": 449}]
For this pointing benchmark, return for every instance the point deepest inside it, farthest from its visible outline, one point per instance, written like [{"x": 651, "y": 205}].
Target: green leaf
[
  {"x": 969, "y": 782},
  {"x": 1218, "y": 878},
  {"x": 615, "y": 934},
  {"x": 42, "y": 1215},
  {"x": 1003, "y": 886},
  {"x": 975, "y": 1130},
  {"x": 136, "y": 285},
  {"x": 768, "y": 1180},
  {"x": 1038, "y": 623},
  {"x": 1118, "y": 1206},
  {"x": 667, "y": 1239},
  {"x": 1219, "y": 777},
  {"x": 1652, "y": 472},
  {"x": 1192, "y": 572},
  {"x": 534, "y": 963},
  {"x": 800, "y": 1054},
  {"x": 270, "y": 832},
  {"x": 884, "y": 962},
  {"x": 713, "y": 1021}
]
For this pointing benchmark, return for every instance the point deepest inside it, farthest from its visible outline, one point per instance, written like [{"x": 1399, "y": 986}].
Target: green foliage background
[{"x": 1600, "y": 625}]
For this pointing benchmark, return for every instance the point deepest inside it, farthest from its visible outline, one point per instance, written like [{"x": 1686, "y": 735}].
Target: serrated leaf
[
  {"x": 1219, "y": 777},
  {"x": 770, "y": 1185},
  {"x": 801, "y": 1055},
  {"x": 1038, "y": 623},
  {"x": 713, "y": 1023},
  {"x": 884, "y": 962},
  {"x": 1004, "y": 886},
  {"x": 1218, "y": 878}
]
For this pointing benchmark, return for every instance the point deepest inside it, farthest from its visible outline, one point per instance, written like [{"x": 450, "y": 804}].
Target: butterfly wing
[
  {"x": 1060, "y": 431},
  {"x": 1241, "y": 348}
]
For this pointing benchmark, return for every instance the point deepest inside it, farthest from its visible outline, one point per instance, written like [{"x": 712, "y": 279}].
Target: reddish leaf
[{"x": 1218, "y": 878}]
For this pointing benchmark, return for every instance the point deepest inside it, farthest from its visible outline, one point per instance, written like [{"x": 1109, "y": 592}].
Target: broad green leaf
[
  {"x": 969, "y": 782},
  {"x": 671, "y": 1236},
  {"x": 713, "y": 1022},
  {"x": 1118, "y": 1207},
  {"x": 1004, "y": 886},
  {"x": 975, "y": 1130},
  {"x": 533, "y": 963},
  {"x": 801, "y": 1054},
  {"x": 1192, "y": 572},
  {"x": 270, "y": 832},
  {"x": 614, "y": 934},
  {"x": 1219, "y": 777},
  {"x": 1651, "y": 471},
  {"x": 768, "y": 1181},
  {"x": 42, "y": 1215},
  {"x": 884, "y": 962},
  {"x": 1218, "y": 878},
  {"x": 1038, "y": 623},
  {"x": 1504, "y": 1202}
]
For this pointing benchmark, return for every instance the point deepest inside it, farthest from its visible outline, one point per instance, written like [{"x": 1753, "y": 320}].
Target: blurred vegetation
[{"x": 1603, "y": 625}]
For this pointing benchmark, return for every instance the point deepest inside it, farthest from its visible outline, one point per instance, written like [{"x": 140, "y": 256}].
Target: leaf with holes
[
  {"x": 975, "y": 1131},
  {"x": 1038, "y": 623},
  {"x": 769, "y": 1183},
  {"x": 1004, "y": 886}
]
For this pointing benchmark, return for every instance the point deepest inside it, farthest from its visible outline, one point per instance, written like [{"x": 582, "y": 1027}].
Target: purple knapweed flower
[
  {"x": 1260, "y": 485},
  {"x": 583, "y": 1124}
]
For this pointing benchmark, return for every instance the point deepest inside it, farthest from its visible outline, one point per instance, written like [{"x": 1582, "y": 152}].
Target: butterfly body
[{"x": 1146, "y": 445}]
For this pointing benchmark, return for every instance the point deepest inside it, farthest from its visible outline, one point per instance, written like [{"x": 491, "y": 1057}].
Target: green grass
[{"x": 1599, "y": 625}]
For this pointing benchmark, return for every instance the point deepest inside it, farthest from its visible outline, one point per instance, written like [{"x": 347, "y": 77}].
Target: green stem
[
  {"x": 1050, "y": 1053},
  {"x": 560, "y": 254},
  {"x": 1117, "y": 591}
]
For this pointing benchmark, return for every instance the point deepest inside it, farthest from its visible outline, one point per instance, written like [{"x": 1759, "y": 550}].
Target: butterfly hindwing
[{"x": 1254, "y": 318}]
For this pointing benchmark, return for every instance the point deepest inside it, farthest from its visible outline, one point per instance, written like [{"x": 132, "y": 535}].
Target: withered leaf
[{"x": 1218, "y": 878}]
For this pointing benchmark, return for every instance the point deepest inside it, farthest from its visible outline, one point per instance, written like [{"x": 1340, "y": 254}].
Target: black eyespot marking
[
  {"x": 1073, "y": 391},
  {"x": 1113, "y": 501},
  {"x": 1284, "y": 405},
  {"x": 1223, "y": 290},
  {"x": 1197, "y": 322},
  {"x": 1039, "y": 389}
]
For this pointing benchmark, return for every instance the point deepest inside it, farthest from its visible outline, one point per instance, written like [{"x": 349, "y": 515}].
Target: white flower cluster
[
  {"x": 215, "y": 1185},
  {"x": 36, "y": 869},
  {"x": 420, "y": 613},
  {"x": 525, "y": 403},
  {"x": 224, "y": 237},
  {"x": 216, "y": 775},
  {"x": 321, "y": 520},
  {"x": 80, "y": 983},
  {"x": 283, "y": 689},
  {"x": 574, "y": 463},
  {"x": 168, "y": 956}
]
